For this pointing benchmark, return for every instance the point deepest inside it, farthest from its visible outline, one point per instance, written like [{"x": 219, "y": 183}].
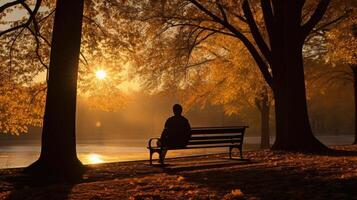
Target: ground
[{"x": 263, "y": 175}]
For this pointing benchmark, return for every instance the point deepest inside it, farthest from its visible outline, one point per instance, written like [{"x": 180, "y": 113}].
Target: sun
[{"x": 101, "y": 74}]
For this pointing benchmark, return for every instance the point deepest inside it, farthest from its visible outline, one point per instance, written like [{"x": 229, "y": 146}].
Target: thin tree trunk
[
  {"x": 58, "y": 153},
  {"x": 263, "y": 106},
  {"x": 265, "y": 137},
  {"x": 354, "y": 69}
]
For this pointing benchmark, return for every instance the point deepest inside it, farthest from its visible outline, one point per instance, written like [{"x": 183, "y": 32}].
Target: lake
[{"x": 102, "y": 151}]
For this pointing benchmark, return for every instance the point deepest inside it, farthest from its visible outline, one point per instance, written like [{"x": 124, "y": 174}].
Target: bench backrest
[{"x": 216, "y": 136}]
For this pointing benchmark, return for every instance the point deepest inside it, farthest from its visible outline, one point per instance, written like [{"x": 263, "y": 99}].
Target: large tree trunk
[
  {"x": 354, "y": 69},
  {"x": 58, "y": 154},
  {"x": 293, "y": 131}
]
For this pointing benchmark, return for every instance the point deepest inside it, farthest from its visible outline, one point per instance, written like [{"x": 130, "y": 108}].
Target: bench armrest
[{"x": 150, "y": 141}]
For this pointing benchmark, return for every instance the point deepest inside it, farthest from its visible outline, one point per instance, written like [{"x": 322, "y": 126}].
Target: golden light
[
  {"x": 95, "y": 158},
  {"x": 101, "y": 74},
  {"x": 98, "y": 124}
]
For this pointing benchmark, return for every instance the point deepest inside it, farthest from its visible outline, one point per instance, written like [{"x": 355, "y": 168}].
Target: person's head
[{"x": 177, "y": 108}]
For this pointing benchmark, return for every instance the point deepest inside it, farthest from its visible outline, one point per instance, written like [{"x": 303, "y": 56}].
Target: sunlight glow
[
  {"x": 98, "y": 124},
  {"x": 101, "y": 74},
  {"x": 95, "y": 158}
]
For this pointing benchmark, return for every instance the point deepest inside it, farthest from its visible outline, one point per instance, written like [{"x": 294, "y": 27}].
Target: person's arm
[
  {"x": 188, "y": 129},
  {"x": 164, "y": 131}
]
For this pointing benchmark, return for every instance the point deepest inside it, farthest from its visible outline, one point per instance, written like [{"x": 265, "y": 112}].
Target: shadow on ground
[
  {"x": 276, "y": 184},
  {"x": 22, "y": 187},
  {"x": 295, "y": 176}
]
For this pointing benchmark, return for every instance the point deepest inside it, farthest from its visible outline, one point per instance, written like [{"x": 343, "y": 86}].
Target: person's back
[{"x": 177, "y": 129}]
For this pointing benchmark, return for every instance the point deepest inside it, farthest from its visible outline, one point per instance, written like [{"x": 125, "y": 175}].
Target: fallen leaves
[{"x": 269, "y": 175}]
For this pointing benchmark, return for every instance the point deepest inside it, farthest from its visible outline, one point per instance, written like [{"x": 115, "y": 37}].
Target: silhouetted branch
[
  {"x": 13, "y": 41},
  {"x": 96, "y": 24},
  {"x": 29, "y": 20},
  {"x": 264, "y": 49},
  {"x": 37, "y": 92},
  {"x": 268, "y": 17},
  {"x": 315, "y": 17},
  {"x": 35, "y": 33},
  {"x": 220, "y": 7},
  {"x": 202, "y": 27},
  {"x": 336, "y": 20},
  {"x": 10, "y": 4},
  {"x": 259, "y": 60}
]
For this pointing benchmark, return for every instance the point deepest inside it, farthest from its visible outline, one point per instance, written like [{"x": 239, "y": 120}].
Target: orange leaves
[
  {"x": 20, "y": 107},
  {"x": 342, "y": 40}
]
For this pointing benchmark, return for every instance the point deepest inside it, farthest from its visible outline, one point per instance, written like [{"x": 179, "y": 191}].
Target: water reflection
[
  {"x": 21, "y": 155},
  {"x": 94, "y": 158}
]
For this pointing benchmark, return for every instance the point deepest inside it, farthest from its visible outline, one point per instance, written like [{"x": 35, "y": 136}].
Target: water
[{"x": 21, "y": 155}]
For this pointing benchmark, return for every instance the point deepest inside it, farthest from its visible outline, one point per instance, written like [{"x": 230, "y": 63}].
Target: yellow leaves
[
  {"x": 342, "y": 41},
  {"x": 237, "y": 193},
  {"x": 230, "y": 79},
  {"x": 234, "y": 194},
  {"x": 20, "y": 107},
  {"x": 180, "y": 178}
]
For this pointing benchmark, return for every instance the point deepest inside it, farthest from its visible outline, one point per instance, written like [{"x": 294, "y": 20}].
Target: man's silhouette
[{"x": 176, "y": 131}]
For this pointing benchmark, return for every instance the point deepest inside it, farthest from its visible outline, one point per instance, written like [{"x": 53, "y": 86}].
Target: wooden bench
[{"x": 207, "y": 137}]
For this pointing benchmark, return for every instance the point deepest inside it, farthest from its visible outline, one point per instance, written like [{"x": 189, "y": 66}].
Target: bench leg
[
  {"x": 230, "y": 152},
  {"x": 240, "y": 152}
]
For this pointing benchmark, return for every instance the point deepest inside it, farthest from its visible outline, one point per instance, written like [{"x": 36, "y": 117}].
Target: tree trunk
[
  {"x": 293, "y": 131},
  {"x": 354, "y": 69},
  {"x": 263, "y": 106},
  {"x": 58, "y": 157}
]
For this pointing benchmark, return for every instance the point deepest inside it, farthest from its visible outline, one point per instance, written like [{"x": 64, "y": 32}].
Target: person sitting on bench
[{"x": 176, "y": 131}]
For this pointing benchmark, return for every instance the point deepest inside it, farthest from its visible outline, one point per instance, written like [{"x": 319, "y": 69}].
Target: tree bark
[
  {"x": 293, "y": 131},
  {"x": 58, "y": 157},
  {"x": 265, "y": 116}
]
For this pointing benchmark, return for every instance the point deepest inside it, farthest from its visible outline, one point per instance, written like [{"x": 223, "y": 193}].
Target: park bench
[{"x": 207, "y": 137}]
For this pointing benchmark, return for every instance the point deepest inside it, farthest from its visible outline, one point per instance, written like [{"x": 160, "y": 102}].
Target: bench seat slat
[
  {"x": 214, "y": 142},
  {"x": 215, "y": 131},
  {"x": 219, "y": 127},
  {"x": 216, "y": 137},
  {"x": 200, "y": 146}
]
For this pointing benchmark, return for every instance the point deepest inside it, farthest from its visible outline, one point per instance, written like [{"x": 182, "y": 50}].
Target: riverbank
[
  {"x": 264, "y": 175},
  {"x": 21, "y": 153}
]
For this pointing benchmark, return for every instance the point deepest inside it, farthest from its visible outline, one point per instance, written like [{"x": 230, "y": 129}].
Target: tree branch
[
  {"x": 315, "y": 17},
  {"x": 260, "y": 62},
  {"x": 264, "y": 49},
  {"x": 30, "y": 19},
  {"x": 220, "y": 7},
  {"x": 268, "y": 17},
  {"x": 10, "y": 4}
]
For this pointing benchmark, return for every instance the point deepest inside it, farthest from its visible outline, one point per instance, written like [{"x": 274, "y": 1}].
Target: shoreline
[{"x": 265, "y": 175}]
